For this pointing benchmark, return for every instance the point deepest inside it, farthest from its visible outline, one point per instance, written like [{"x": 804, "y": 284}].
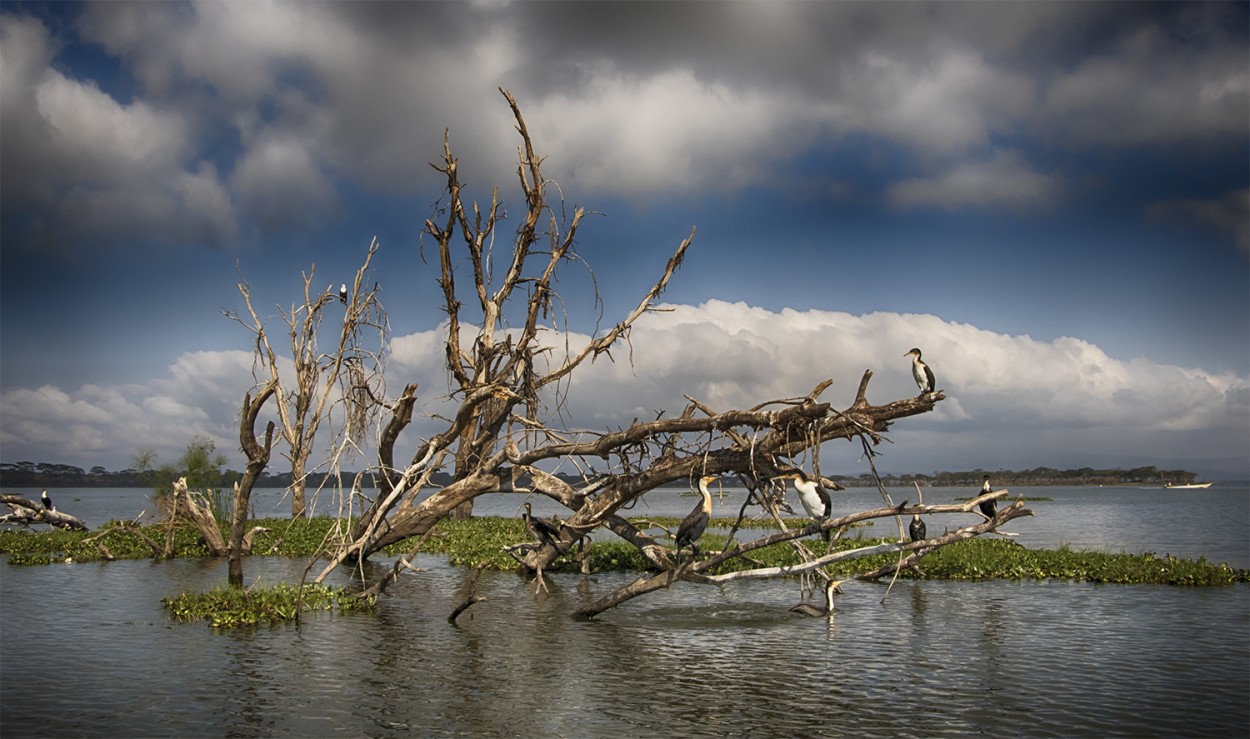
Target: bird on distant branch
[
  {"x": 546, "y": 533},
  {"x": 47, "y": 502},
  {"x": 343, "y": 293},
  {"x": 921, "y": 372}
]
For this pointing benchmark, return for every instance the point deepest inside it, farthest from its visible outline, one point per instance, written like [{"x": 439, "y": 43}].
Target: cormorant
[
  {"x": 343, "y": 293},
  {"x": 544, "y": 531},
  {"x": 695, "y": 523},
  {"x": 807, "y": 609},
  {"x": 47, "y": 502},
  {"x": 813, "y": 496},
  {"x": 916, "y": 529},
  {"x": 986, "y": 506},
  {"x": 919, "y": 370}
]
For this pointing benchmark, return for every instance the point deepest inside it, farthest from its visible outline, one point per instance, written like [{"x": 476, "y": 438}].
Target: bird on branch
[
  {"x": 695, "y": 523},
  {"x": 987, "y": 506},
  {"x": 916, "y": 529},
  {"x": 544, "y": 532},
  {"x": 807, "y": 609},
  {"x": 921, "y": 372},
  {"x": 343, "y": 293},
  {"x": 813, "y": 496},
  {"x": 47, "y": 502}
]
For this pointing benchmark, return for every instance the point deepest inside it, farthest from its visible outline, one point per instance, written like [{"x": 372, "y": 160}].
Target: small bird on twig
[{"x": 921, "y": 372}]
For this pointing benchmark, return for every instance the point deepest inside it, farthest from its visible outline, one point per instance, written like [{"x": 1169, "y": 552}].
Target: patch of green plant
[
  {"x": 982, "y": 559},
  {"x": 226, "y": 607}
]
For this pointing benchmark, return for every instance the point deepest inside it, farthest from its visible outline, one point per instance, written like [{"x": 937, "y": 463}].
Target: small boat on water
[{"x": 1191, "y": 486}]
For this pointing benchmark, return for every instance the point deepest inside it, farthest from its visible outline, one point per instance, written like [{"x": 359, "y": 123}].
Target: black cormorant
[
  {"x": 807, "y": 609},
  {"x": 695, "y": 523},
  {"x": 986, "y": 506},
  {"x": 544, "y": 531},
  {"x": 919, "y": 370}
]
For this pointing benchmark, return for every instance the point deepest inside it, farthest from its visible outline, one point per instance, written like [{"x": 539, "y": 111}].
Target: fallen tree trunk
[{"x": 25, "y": 512}]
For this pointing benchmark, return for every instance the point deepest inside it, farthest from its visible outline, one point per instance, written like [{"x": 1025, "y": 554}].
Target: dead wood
[{"x": 26, "y": 512}]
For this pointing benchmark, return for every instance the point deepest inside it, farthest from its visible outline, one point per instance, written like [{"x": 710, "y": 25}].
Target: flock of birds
[{"x": 813, "y": 496}]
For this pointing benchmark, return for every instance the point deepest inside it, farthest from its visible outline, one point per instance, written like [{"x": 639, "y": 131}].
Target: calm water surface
[{"x": 86, "y": 650}]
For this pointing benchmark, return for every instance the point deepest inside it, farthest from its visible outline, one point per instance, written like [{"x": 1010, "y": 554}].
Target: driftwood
[{"x": 26, "y": 512}]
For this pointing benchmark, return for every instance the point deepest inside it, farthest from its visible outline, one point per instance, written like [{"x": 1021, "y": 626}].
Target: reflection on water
[{"x": 87, "y": 651}]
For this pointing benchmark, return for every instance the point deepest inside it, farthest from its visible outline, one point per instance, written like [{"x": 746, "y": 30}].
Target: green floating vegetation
[
  {"x": 226, "y": 607},
  {"x": 479, "y": 542}
]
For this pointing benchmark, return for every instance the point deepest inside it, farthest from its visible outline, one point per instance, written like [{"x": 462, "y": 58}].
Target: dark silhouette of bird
[
  {"x": 916, "y": 529},
  {"x": 343, "y": 293},
  {"x": 544, "y": 531},
  {"x": 921, "y": 372},
  {"x": 807, "y": 609},
  {"x": 47, "y": 502},
  {"x": 813, "y": 496},
  {"x": 695, "y": 523},
  {"x": 987, "y": 506}
]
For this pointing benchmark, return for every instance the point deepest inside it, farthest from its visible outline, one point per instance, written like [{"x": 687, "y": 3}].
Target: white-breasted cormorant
[
  {"x": 47, "y": 502},
  {"x": 343, "y": 293},
  {"x": 695, "y": 523},
  {"x": 921, "y": 372},
  {"x": 813, "y": 496}
]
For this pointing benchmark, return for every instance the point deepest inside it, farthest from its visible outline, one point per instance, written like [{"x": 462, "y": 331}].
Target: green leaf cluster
[{"x": 226, "y": 607}]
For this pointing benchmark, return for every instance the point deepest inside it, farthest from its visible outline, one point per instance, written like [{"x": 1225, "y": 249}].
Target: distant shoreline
[{"x": 49, "y": 475}]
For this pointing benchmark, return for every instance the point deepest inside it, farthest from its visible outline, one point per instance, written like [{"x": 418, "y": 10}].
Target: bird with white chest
[{"x": 921, "y": 373}]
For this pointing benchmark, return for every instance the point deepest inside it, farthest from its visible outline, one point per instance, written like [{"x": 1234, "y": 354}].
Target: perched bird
[
  {"x": 47, "y": 502},
  {"x": 813, "y": 496},
  {"x": 544, "y": 531},
  {"x": 695, "y": 523},
  {"x": 916, "y": 529},
  {"x": 919, "y": 370},
  {"x": 343, "y": 293},
  {"x": 807, "y": 609},
  {"x": 986, "y": 506}
]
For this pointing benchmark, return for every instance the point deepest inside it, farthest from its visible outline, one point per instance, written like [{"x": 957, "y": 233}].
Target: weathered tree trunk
[
  {"x": 25, "y": 512},
  {"x": 257, "y": 457},
  {"x": 201, "y": 515}
]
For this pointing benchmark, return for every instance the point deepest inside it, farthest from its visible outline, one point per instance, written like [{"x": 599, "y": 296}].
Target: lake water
[{"x": 86, "y": 649}]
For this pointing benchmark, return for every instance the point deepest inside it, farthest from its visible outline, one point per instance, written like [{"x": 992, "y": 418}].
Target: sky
[{"x": 1051, "y": 200}]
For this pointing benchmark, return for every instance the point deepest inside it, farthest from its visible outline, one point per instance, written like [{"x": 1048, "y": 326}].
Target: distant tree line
[
  {"x": 47, "y": 474},
  {"x": 1150, "y": 475}
]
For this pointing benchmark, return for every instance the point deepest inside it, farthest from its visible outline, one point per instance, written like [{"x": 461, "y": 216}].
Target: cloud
[
  {"x": 1230, "y": 214},
  {"x": 80, "y": 165},
  {"x": 1009, "y": 397},
  {"x": 1005, "y": 180}
]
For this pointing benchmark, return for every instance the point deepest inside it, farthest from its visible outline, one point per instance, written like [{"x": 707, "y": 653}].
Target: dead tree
[
  {"x": 508, "y": 380},
  {"x": 257, "y": 458},
  {"x": 25, "y": 512},
  {"x": 349, "y": 374}
]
